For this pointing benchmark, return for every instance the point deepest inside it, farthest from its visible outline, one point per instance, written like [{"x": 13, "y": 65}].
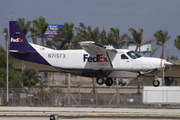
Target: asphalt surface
[
  {"x": 89, "y": 112},
  {"x": 47, "y": 118}
]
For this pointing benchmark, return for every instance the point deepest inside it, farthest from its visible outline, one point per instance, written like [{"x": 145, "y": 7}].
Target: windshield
[{"x": 133, "y": 54}]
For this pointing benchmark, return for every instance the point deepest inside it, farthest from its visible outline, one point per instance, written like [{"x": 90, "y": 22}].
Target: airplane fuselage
[{"x": 79, "y": 62}]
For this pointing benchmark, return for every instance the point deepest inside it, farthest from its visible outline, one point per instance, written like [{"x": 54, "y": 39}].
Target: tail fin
[
  {"x": 19, "y": 46},
  {"x": 17, "y": 39}
]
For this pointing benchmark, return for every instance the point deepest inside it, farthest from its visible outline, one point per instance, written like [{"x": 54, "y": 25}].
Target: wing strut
[{"x": 109, "y": 60}]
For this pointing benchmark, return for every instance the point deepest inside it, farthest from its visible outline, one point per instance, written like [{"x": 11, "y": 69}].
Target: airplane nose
[{"x": 166, "y": 63}]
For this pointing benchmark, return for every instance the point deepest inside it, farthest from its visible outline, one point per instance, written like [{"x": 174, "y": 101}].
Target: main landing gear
[{"x": 108, "y": 81}]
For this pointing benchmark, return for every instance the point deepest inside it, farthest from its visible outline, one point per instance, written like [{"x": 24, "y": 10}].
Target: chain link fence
[{"x": 57, "y": 97}]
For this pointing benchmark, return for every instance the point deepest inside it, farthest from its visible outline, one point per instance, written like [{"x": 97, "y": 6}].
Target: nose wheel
[{"x": 156, "y": 83}]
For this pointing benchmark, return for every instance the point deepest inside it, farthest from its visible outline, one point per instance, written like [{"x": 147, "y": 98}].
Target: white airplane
[{"x": 94, "y": 60}]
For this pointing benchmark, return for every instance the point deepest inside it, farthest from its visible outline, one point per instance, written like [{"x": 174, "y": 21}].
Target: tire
[
  {"x": 100, "y": 80},
  {"x": 156, "y": 83},
  {"x": 109, "y": 82}
]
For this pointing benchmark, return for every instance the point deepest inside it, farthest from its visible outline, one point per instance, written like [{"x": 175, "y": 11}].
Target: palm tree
[
  {"x": 177, "y": 42},
  {"x": 137, "y": 39},
  {"x": 96, "y": 36},
  {"x": 115, "y": 39},
  {"x": 34, "y": 37},
  {"x": 161, "y": 38},
  {"x": 65, "y": 35},
  {"x": 29, "y": 77},
  {"x": 103, "y": 39},
  {"x": 6, "y": 35},
  {"x": 81, "y": 31},
  {"x": 93, "y": 35},
  {"x": 81, "y": 35},
  {"x": 24, "y": 26},
  {"x": 39, "y": 28}
]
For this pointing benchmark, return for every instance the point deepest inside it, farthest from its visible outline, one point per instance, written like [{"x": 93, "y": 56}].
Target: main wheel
[
  {"x": 156, "y": 83},
  {"x": 109, "y": 81},
  {"x": 100, "y": 80}
]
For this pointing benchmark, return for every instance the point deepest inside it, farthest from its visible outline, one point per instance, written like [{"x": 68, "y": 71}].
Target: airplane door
[{"x": 126, "y": 63}]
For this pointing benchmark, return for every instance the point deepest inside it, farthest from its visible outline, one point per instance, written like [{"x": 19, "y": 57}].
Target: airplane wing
[{"x": 94, "y": 48}]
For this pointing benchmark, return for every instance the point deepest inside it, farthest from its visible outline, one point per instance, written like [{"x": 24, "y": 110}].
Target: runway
[
  {"x": 85, "y": 112},
  {"x": 47, "y": 118}
]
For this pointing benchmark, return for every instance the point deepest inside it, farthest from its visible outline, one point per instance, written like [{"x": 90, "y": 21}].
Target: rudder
[{"x": 17, "y": 38}]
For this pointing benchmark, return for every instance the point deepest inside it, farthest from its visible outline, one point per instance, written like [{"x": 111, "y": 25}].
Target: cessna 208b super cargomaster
[{"x": 94, "y": 61}]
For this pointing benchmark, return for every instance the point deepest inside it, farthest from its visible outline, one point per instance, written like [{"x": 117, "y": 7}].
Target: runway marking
[{"x": 90, "y": 114}]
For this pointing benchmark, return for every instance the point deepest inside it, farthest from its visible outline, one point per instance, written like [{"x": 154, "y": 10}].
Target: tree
[
  {"x": 174, "y": 58},
  {"x": 103, "y": 39},
  {"x": 93, "y": 35},
  {"x": 14, "y": 76},
  {"x": 65, "y": 36},
  {"x": 81, "y": 31},
  {"x": 39, "y": 28},
  {"x": 115, "y": 39},
  {"x": 24, "y": 26},
  {"x": 96, "y": 36},
  {"x": 177, "y": 42},
  {"x": 6, "y": 35},
  {"x": 161, "y": 38},
  {"x": 81, "y": 35},
  {"x": 137, "y": 39},
  {"x": 29, "y": 77},
  {"x": 49, "y": 44}
]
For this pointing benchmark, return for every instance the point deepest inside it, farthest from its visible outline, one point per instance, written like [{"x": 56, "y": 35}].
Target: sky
[{"x": 150, "y": 15}]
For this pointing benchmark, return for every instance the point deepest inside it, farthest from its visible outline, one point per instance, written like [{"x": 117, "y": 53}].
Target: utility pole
[
  {"x": 11, "y": 16},
  {"x": 69, "y": 90},
  {"x": 117, "y": 93},
  {"x": 94, "y": 90},
  {"x": 7, "y": 72}
]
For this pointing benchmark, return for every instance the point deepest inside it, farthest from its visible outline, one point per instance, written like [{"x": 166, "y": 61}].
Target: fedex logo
[
  {"x": 98, "y": 58},
  {"x": 16, "y": 40}
]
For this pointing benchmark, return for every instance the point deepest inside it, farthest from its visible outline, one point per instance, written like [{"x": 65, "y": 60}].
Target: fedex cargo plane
[{"x": 94, "y": 60}]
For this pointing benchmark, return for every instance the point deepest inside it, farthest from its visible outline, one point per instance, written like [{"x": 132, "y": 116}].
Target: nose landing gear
[{"x": 156, "y": 82}]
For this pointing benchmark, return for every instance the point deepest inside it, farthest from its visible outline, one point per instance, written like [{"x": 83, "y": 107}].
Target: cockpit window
[
  {"x": 133, "y": 54},
  {"x": 123, "y": 56}
]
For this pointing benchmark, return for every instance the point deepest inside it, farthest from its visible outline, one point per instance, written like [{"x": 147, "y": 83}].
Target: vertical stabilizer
[
  {"x": 17, "y": 38},
  {"x": 19, "y": 46}
]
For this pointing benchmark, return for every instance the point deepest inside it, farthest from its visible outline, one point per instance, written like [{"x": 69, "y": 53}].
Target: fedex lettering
[
  {"x": 16, "y": 40},
  {"x": 98, "y": 58}
]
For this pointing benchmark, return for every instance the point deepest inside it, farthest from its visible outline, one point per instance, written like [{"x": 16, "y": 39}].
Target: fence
[{"x": 57, "y": 97}]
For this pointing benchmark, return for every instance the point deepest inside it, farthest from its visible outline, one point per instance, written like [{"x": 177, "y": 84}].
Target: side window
[{"x": 123, "y": 56}]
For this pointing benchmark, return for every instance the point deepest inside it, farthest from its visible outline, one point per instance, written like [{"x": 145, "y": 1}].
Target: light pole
[
  {"x": 167, "y": 52},
  {"x": 7, "y": 68}
]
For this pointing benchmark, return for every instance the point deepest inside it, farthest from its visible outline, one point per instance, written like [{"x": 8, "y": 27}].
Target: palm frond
[
  {"x": 177, "y": 42},
  {"x": 129, "y": 38},
  {"x": 35, "y": 34},
  {"x": 159, "y": 43},
  {"x": 148, "y": 41},
  {"x": 152, "y": 53}
]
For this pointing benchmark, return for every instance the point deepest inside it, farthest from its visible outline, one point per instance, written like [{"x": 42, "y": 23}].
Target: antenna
[{"x": 11, "y": 16}]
